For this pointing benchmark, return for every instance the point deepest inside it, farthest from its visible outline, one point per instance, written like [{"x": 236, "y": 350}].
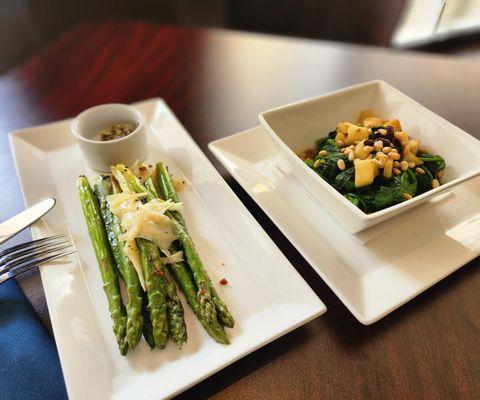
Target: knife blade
[{"x": 26, "y": 218}]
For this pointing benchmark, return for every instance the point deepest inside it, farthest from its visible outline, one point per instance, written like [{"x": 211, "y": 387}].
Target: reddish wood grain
[{"x": 216, "y": 82}]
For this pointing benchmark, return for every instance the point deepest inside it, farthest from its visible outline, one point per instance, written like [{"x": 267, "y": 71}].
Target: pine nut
[
  {"x": 380, "y": 156},
  {"x": 404, "y": 165},
  {"x": 407, "y": 196},
  {"x": 394, "y": 156},
  {"x": 382, "y": 131},
  {"x": 341, "y": 164},
  {"x": 411, "y": 164},
  {"x": 441, "y": 173},
  {"x": 394, "y": 150},
  {"x": 316, "y": 163},
  {"x": 339, "y": 143},
  {"x": 387, "y": 150},
  {"x": 396, "y": 164},
  {"x": 396, "y": 171},
  {"x": 323, "y": 153},
  {"x": 351, "y": 156},
  {"x": 435, "y": 183},
  {"x": 387, "y": 170},
  {"x": 420, "y": 171}
]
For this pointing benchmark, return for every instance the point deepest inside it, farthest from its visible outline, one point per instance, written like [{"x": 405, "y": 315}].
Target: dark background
[{"x": 26, "y": 25}]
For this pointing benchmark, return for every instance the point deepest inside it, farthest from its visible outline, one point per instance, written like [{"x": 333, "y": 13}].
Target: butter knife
[{"x": 26, "y": 218}]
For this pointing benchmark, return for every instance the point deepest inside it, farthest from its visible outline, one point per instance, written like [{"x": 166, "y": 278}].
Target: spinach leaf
[
  {"x": 319, "y": 143},
  {"x": 345, "y": 181},
  {"x": 424, "y": 181},
  {"x": 384, "y": 195},
  {"x": 327, "y": 144},
  {"x": 406, "y": 182},
  {"x": 309, "y": 162},
  {"x": 328, "y": 168},
  {"x": 357, "y": 200},
  {"x": 433, "y": 162}
]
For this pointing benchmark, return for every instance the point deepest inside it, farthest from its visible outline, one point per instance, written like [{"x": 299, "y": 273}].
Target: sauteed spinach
[{"x": 374, "y": 164}]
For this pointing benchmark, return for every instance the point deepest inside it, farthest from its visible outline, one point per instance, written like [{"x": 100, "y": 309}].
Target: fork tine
[
  {"x": 29, "y": 250},
  {"x": 18, "y": 261},
  {"x": 27, "y": 267},
  {"x": 28, "y": 244}
]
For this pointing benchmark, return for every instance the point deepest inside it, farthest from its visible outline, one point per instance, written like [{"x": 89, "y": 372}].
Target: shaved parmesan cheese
[
  {"x": 147, "y": 221},
  {"x": 173, "y": 258},
  {"x": 124, "y": 203},
  {"x": 131, "y": 251}
]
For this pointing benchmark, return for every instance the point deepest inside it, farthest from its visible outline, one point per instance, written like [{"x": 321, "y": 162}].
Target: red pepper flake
[
  {"x": 223, "y": 281},
  {"x": 158, "y": 272}
]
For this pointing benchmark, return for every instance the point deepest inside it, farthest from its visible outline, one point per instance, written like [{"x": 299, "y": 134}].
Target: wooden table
[{"x": 216, "y": 82}]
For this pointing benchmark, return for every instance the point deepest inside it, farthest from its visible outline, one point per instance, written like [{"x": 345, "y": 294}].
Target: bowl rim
[
  {"x": 85, "y": 114},
  {"x": 350, "y": 206}
]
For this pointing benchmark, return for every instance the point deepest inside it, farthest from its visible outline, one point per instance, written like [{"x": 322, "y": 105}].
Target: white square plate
[
  {"x": 295, "y": 127},
  {"x": 266, "y": 295},
  {"x": 379, "y": 272}
]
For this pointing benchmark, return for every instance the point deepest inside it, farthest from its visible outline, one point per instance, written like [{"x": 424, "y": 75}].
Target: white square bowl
[{"x": 296, "y": 126}]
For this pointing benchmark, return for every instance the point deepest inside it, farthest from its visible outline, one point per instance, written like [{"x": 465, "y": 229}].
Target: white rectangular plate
[
  {"x": 373, "y": 275},
  {"x": 266, "y": 295}
]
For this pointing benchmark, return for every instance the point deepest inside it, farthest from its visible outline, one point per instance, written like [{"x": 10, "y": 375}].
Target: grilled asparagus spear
[
  {"x": 156, "y": 290},
  {"x": 98, "y": 236},
  {"x": 168, "y": 193},
  {"x": 103, "y": 188}
]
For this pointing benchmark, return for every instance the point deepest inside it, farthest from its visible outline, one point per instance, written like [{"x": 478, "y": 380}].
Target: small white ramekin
[{"x": 101, "y": 155}]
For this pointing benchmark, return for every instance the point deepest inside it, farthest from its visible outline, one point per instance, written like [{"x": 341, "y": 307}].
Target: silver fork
[{"x": 22, "y": 258}]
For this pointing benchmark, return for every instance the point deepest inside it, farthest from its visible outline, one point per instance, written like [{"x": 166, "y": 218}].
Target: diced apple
[
  {"x": 356, "y": 134},
  {"x": 359, "y": 151},
  {"x": 372, "y": 122},
  {"x": 342, "y": 127},
  {"x": 340, "y": 137},
  {"x": 364, "y": 172}
]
